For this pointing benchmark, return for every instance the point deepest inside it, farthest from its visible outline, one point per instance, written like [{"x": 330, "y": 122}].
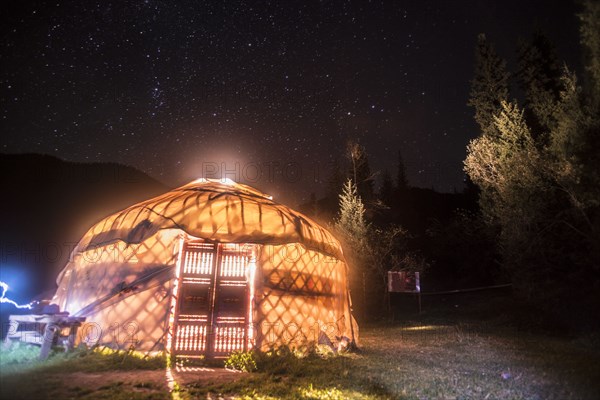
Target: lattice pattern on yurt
[{"x": 302, "y": 295}]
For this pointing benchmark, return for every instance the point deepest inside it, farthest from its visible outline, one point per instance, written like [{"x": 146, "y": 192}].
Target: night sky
[{"x": 168, "y": 87}]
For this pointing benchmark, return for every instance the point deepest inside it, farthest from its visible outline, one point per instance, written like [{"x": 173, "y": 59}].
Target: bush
[
  {"x": 244, "y": 361},
  {"x": 18, "y": 353}
]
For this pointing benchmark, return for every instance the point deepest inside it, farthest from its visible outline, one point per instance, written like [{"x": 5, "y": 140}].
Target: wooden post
[
  {"x": 364, "y": 296},
  {"x": 389, "y": 305},
  {"x": 70, "y": 343},
  {"x": 47, "y": 340}
]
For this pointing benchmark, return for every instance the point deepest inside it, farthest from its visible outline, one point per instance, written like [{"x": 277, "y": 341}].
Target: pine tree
[
  {"x": 589, "y": 154},
  {"x": 514, "y": 192},
  {"x": 386, "y": 192},
  {"x": 539, "y": 76},
  {"x": 351, "y": 221},
  {"x": 353, "y": 230},
  {"x": 360, "y": 171},
  {"x": 504, "y": 166},
  {"x": 489, "y": 86},
  {"x": 590, "y": 40},
  {"x": 574, "y": 157},
  {"x": 401, "y": 180},
  {"x": 335, "y": 181}
]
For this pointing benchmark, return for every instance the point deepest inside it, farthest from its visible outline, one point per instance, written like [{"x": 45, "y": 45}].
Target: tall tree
[
  {"x": 589, "y": 152},
  {"x": 386, "y": 192},
  {"x": 539, "y": 76},
  {"x": 573, "y": 156},
  {"x": 360, "y": 171},
  {"x": 401, "y": 180},
  {"x": 353, "y": 230},
  {"x": 590, "y": 41},
  {"x": 505, "y": 168},
  {"x": 351, "y": 221},
  {"x": 336, "y": 180},
  {"x": 489, "y": 86}
]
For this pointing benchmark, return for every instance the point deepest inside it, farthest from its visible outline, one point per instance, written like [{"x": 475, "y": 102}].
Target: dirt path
[
  {"x": 144, "y": 381},
  {"x": 181, "y": 375}
]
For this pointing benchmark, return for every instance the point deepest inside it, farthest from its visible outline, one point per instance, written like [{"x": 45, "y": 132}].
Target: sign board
[{"x": 403, "y": 282}]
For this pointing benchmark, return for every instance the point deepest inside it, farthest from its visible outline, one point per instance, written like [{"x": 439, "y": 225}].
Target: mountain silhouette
[{"x": 48, "y": 204}]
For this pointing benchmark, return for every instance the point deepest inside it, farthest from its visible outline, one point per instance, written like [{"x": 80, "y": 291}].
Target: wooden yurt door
[{"x": 213, "y": 311}]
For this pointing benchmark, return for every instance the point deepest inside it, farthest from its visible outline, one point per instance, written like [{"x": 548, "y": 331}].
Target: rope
[
  {"x": 92, "y": 306},
  {"x": 468, "y": 290}
]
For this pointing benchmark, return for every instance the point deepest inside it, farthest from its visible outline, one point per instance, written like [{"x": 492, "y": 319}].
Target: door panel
[
  {"x": 194, "y": 302},
  {"x": 231, "y": 304}
]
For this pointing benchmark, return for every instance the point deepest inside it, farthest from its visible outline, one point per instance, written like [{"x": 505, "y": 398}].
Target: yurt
[{"x": 206, "y": 269}]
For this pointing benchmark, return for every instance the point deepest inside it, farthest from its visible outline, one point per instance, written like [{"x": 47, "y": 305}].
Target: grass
[
  {"x": 23, "y": 376},
  {"x": 24, "y": 358},
  {"x": 293, "y": 376},
  {"x": 452, "y": 353},
  {"x": 432, "y": 361}
]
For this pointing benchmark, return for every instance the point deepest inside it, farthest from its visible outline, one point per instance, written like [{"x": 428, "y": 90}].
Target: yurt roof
[{"x": 214, "y": 210}]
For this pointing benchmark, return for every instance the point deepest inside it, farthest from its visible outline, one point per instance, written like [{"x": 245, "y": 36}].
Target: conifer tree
[
  {"x": 351, "y": 221},
  {"x": 353, "y": 229},
  {"x": 360, "y": 171},
  {"x": 335, "y": 181},
  {"x": 401, "y": 180},
  {"x": 539, "y": 76},
  {"x": 590, "y": 41},
  {"x": 505, "y": 168},
  {"x": 489, "y": 86},
  {"x": 386, "y": 193}
]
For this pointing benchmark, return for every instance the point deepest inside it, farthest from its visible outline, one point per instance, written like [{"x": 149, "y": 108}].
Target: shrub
[
  {"x": 244, "y": 361},
  {"x": 18, "y": 353}
]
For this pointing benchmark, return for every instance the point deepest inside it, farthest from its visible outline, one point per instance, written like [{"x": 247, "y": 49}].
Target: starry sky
[{"x": 269, "y": 92}]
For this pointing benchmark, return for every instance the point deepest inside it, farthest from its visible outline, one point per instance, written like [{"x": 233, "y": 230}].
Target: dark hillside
[{"x": 48, "y": 204}]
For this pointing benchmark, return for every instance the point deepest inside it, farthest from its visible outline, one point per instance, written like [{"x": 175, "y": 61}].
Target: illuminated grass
[
  {"x": 17, "y": 355},
  {"x": 21, "y": 358},
  {"x": 105, "y": 359},
  {"x": 288, "y": 375}
]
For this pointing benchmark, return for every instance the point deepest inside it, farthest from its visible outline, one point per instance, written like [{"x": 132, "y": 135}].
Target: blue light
[{"x": 3, "y": 298}]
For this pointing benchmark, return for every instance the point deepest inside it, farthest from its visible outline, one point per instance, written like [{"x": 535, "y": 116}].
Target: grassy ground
[
  {"x": 442, "y": 355},
  {"x": 63, "y": 376}
]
